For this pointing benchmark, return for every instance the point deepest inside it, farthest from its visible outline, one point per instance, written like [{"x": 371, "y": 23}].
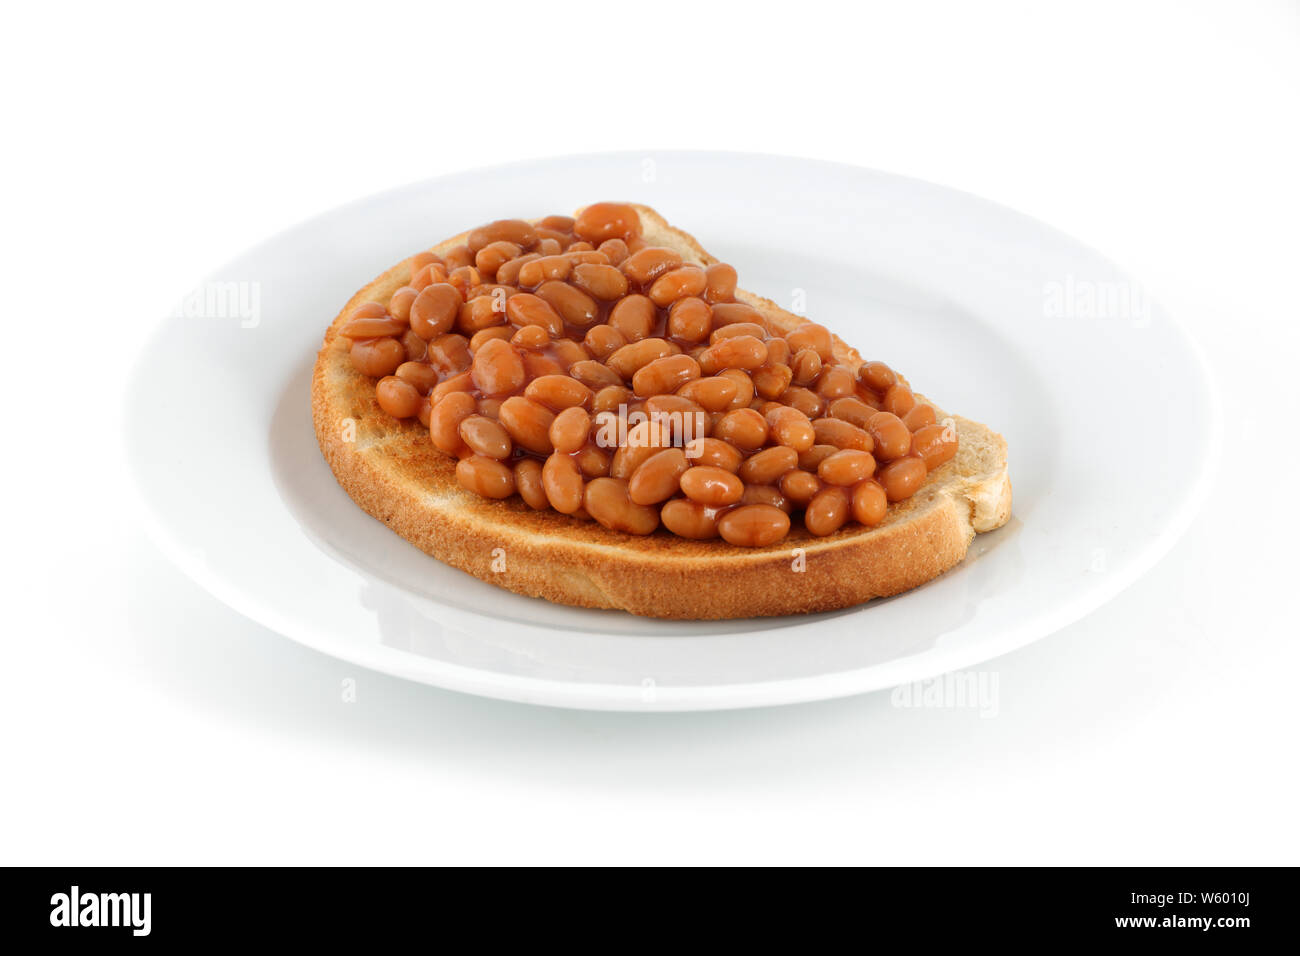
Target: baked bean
[
  {"x": 658, "y": 477},
  {"x": 573, "y": 305},
  {"x": 607, "y": 501},
  {"x": 485, "y": 477},
  {"x": 869, "y": 504},
  {"x": 920, "y": 416},
  {"x": 377, "y": 357},
  {"x": 715, "y": 453},
  {"x": 567, "y": 351},
  {"x": 368, "y": 310},
  {"x": 742, "y": 351},
  {"x": 600, "y": 281},
  {"x": 742, "y": 427},
  {"x": 498, "y": 369},
  {"x": 767, "y": 466},
  {"x": 846, "y": 467},
  {"x": 902, "y": 477},
  {"x": 876, "y": 376},
  {"x": 771, "y": 380},
  {"x": 711, "y": 486},
  {"x": 481, "y": 312},
  {"x": 890, "y": 436},
  {"x": 563, "y": 483},
  {"x": 508, "y": 274},
  {"x": 399, "y": 303},
  {"x": 766, "y": 495},
  {"x": 528, "y": 482},
  {"x": 690, "y": 319},
  {"x": 720, "y": 282},
  {"x": 852, "y": 410},
  {"x": 744, "y": 387},
  {"x": 537, "y": 365},
  {"x": 448, "y": 354},
  {"x": 503, "y": 332},
  {"x": 557, "y": 223},
  {"x": 754, "y": 526},
  {"x": 485, "y": 437},
  {"x": 935, "y": 444},
  {"x": 435, "y": 309},
  {"x": 730, "y": 313},
  {"x": 633, "y": 317},
  {"x": 899, "y": 399},
  {"x": 558, "y": 392},
  {"x": 372, "y": 328},
  {"x": 807, "y": 366},
  {"x": 607, "y": 220},
  {"x": 834, "y": 382},
  {"x": 569, "y": 430},
  {"x": 827, "y": 511},
  {"x": 808, "y": 402},
  {"x": 610, "y": 398},
  {"x": 735, "y": 329},
  {"x": 417, "y": 374},
  {"x": 809, "y": 460},
  {"x": 800, "y": 486},
  {"x": 592, "y": 258},
  {"x": 832, "y": 431},
  {"x": 532, "y": 338},
  {"x": 416, "y": 347},
  {"x": 594, "y": 375},
  {"x": 677, "y": 284},
  {"x": 631, "y": 358},
  {"x": 593, "y": 462},
  {"x": 445, "y": 419},
  {"x": 528, "y": 309},
  {"x": 516, "y": 231},
  {"x": 544, "y": 269},
  {"x": 397, "y": 397},
  {"x": 665, "y": 404},
  {"x": 427, "y": 276},
  {"x": 690, "y": 519},
  {"x": 810, "y": 335},
  {"x": 643, "y": 440},
  {"x": 465, "y": 280},
  {"x": 791, "y": 427},
  {"x": 528, "y": 423},
  {"x": 493, "y": 256},
  {"x": 602, "y": 341},
  {"x": 458, "y": 256},
  {"x": 648, "y": 264},
  {"x": 713, "y": 394},
  {"x": 684, "y": 418},
  {"x": 422, "y": 259},
  {"x": 615, "y": 250},
  {"x": 665, "y": 375},
  {"x": 457, "y": 383},
  {"x": 778, "y": 351},
  {"x": 489, "y": 407}
]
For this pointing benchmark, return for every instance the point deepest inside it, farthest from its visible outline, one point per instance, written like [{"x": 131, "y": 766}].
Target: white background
[{"x": 143, "y": 722}]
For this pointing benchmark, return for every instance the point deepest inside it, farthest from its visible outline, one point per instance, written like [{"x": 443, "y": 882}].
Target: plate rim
[{"x": 705, "y": 697}]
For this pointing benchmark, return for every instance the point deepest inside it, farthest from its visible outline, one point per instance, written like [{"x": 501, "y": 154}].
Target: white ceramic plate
[{"x": 990, "y": 313}]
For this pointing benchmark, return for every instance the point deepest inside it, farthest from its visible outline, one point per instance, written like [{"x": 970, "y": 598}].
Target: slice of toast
[{"x": 391, "y": 469}]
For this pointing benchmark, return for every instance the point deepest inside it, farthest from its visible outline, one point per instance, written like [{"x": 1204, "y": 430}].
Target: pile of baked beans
[{"x": 574, "y": 364}]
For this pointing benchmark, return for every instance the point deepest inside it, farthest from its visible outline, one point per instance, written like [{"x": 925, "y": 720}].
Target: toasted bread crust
[{"x": 391, "y": 469}]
